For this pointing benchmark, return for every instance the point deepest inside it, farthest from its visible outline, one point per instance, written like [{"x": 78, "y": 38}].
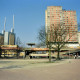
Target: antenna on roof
[{"x": 4, "y": 24}]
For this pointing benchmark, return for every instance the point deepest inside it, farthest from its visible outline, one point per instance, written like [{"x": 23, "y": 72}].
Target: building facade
[
  {"x": 1, "y": 39},
  {"x": 56, "y": 15},
  {"x": 9, "y": 38},
  {"x": 6, "y": 38},
  {"x": 12, "y": 39}
]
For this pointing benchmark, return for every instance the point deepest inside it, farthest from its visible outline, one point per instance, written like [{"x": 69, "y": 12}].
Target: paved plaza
[{"x": 39, "y": 70}]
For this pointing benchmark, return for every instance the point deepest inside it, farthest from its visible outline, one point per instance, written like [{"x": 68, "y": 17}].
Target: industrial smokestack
[
  {"x": 11, "y": 30},
  {"x": 4, "y": 24},
  {"x": 13, "y": 23}
]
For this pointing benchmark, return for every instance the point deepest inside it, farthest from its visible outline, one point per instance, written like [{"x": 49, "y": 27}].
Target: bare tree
[
  {"x": 42, "y": 36},
  {"x": 18, "y": 41},
  {"x": 58, "y": 36}
]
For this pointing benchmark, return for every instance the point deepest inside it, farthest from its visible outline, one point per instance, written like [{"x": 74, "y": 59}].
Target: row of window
[{"x": 52, "y": 16}]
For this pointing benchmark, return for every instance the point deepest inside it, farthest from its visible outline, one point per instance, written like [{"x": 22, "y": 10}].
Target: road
[{"x": 65, "y": 71}]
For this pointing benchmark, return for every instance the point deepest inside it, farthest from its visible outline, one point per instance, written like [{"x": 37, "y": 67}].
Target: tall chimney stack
[
  {"x": 13, "y": 22},
  {"x": 4, "y": 24}
]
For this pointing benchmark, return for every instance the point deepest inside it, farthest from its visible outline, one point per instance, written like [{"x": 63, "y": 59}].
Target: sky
[{"x": 29, "y": 16}]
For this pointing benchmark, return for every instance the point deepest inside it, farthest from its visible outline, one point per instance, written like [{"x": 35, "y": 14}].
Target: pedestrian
[{"x": 75, "y": 56}]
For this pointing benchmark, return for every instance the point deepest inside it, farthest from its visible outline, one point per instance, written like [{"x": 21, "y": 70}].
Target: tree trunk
[
  {"x": 58, "y": 56},
  {"x": 49, "y": 55},
  {"x": 17, "y": 54}
]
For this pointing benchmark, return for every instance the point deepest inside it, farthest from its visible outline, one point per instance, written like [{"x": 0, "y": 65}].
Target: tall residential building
[{"x": 55, "y": 15}]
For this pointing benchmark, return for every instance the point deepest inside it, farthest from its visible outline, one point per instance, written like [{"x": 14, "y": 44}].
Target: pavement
[{"x": 40, "y": 70}]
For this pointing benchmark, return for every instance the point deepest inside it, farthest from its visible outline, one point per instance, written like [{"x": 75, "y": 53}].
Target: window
[{"x": 48, "y": 16}]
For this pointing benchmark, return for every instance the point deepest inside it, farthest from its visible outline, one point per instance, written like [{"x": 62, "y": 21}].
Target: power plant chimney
[
  {"x": 4, "y": 24},
  {"x": 13, "y": 24},
  {"x": 11, "y": 30}
]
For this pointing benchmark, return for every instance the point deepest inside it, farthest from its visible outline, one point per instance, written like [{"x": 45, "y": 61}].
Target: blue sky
[{"x": 30, "y": 15}]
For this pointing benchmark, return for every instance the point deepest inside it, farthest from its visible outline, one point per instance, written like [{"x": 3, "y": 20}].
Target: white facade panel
[{"x": 6, "y": 38}]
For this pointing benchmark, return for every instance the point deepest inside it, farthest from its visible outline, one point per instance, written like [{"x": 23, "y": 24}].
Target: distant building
[
  {"x": 1, "y": 39},
  {"x": 9, "y": 38},
  {"x": 55, "y": 15},
  {"x": 6, "y": 38}
]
